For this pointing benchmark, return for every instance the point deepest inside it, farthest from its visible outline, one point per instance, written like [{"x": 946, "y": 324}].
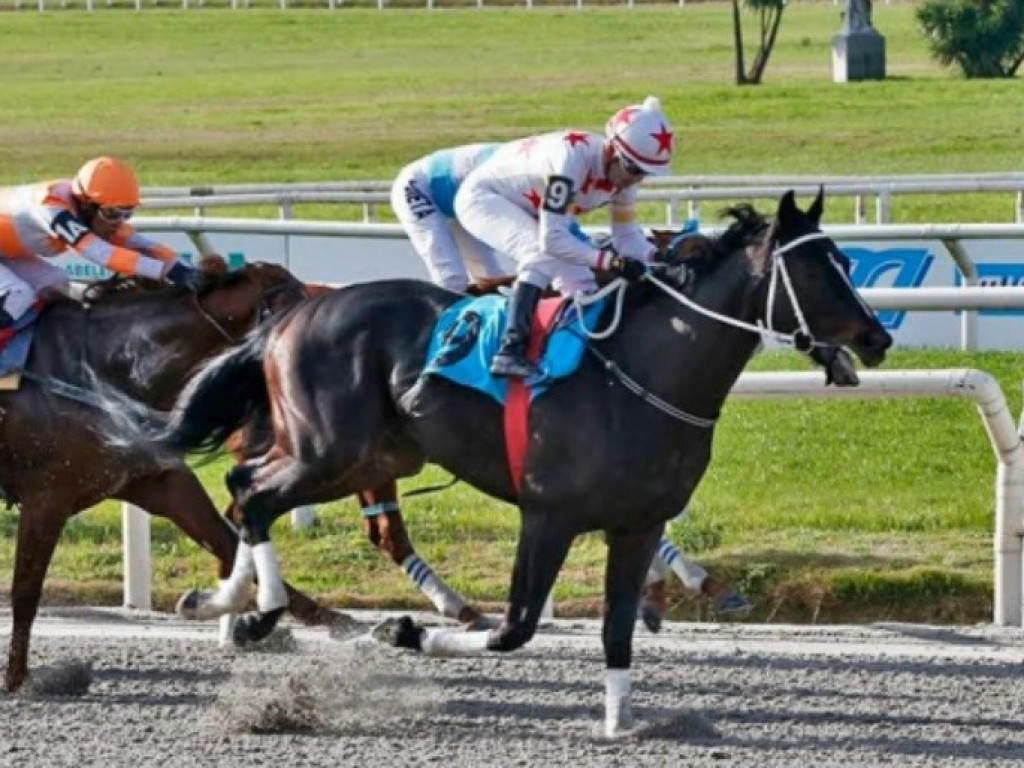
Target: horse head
[
  {"x": 805, "y": 287},
  {"x": 237, "y": 301}
]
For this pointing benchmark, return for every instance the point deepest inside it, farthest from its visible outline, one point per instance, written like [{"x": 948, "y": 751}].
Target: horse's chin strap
[{"x": 802, "y": 339}]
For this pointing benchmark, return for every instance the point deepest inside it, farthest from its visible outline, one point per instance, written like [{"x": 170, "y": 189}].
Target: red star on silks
[
  {"x": 604, "y": 185},
  {"x": 533, "y": 197},
  {"x": 587, "y": 183},
  {"x": 624, "y": 116},
  {"x": 574, "y": 138},
  {"x": 664, "y": 139}
]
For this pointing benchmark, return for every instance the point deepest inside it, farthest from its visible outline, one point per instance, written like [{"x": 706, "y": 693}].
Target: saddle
[{"x": 15, "y": 345}]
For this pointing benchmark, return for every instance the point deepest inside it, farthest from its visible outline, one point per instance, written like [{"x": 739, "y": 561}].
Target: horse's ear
[
  {"x": 787, "y": 208},
  {"x": 818, "y": 206},
  {"x": 213, "y": 265}
]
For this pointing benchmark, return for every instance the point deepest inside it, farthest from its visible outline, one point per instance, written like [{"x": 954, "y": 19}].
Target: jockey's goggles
[
  {"x": 114, "y": 213},
  {"x": 630, "y": 167}
]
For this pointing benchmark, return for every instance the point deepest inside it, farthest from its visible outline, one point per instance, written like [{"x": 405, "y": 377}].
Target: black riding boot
[{"x": 511, "y": 358}]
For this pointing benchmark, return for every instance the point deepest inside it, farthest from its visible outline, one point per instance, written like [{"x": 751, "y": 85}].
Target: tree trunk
[
  {"x": 737, "y": 34},
  {"x": 767, "y": 44}
]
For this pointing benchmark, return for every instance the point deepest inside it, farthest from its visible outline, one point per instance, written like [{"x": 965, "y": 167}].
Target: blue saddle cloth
[
  {"x": 15, "y": 351},
  {"x": 468, "y": 334}
]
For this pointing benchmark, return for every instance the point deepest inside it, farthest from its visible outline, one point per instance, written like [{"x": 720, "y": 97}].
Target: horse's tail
[{"x": 228, "y": 391}]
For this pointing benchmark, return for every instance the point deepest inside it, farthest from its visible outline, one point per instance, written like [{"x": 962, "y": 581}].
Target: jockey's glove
[
  {"x": 184, "y": 276},
  {"x": 627, "y": 268}
]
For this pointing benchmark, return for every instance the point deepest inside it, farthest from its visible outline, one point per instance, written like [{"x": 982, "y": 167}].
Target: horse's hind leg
[
  {"x": 382, "y": 521},
  {"x": 629, "y": 558},
  {"x": 39, "y": 529}
]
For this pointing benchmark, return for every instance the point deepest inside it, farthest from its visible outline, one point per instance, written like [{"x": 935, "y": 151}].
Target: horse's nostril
[{"x": 875, "y": 338}]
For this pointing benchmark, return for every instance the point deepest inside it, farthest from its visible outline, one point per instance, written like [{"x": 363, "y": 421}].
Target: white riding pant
[
  {"x": 22, "y": 278},
  {"x": 509, "y": 229},
  {"x": 453, "y": 256}
]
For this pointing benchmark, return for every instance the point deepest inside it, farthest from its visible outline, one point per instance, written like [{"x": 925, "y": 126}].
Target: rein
[{"x": 802, "y": 339}]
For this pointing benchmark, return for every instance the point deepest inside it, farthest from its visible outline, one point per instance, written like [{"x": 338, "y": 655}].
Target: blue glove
[{"x": 184, "y": 276}]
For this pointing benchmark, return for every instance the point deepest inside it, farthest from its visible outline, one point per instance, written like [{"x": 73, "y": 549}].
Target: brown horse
[{"x": 144, "y": 338}]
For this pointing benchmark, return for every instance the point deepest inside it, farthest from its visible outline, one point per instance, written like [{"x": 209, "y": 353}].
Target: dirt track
[{"x": 163, "y": 694}]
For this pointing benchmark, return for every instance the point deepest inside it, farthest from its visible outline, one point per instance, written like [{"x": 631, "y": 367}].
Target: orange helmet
[{"x": 106, "y": 181}]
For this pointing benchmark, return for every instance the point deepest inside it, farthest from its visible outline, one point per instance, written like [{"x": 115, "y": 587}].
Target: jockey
[
  {"x": 423, "y": 198},
  {"x": 88, "y": 215},
  {"x": 523, "y": 201}
]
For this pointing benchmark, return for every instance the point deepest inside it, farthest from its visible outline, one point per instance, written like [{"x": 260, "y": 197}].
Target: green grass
[{"x": 821, "y": 510}]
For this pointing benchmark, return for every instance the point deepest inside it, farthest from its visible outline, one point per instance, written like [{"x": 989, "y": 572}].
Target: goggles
[
  {"x": 630, "y": 167},
  {"x": 114, "y": 213}
]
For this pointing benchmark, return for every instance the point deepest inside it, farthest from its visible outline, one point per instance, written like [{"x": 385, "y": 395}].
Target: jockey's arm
[
  {"x": 121, "y": 259},
  {"x": 628, "y": 236},
  {"x": 559, "y": 229}
]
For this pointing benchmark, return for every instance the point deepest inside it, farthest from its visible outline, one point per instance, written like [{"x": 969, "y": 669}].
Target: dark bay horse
[
  {"x": 142, "y": 337},
  {"x": 620, "y": 446}
]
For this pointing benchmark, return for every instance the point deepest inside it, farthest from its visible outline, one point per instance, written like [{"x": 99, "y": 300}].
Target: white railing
[{"x": 676, "y": 193}]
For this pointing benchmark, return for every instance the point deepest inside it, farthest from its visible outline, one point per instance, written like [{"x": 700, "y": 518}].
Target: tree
[
  {"x": 770, "y": 16},
  {"x": 985, "y": 38}
]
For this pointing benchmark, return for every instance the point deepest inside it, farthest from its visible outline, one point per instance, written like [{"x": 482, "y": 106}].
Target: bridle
[
  {"x": 802, "y": 339},
  {"x": 261, "y": 313}
]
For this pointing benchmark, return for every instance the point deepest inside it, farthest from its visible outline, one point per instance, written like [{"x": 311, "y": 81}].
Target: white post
[
  {"x": 303, "y": 517},
  {"x": 138, "y": 572}
]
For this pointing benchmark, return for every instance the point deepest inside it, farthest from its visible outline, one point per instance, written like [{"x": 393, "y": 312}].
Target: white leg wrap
[
  {"x": 657, "y": 572},
  {"x": 270, "y": 593},
  {"x": 449, "y": 642},
  {"x": 691, "y": 574},
  {"x": 440, "y": 594},
  {"x": 618, "y": 710}
]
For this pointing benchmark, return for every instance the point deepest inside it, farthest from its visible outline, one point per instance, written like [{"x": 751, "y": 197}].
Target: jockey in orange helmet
[{"x": 88, "y": 215}]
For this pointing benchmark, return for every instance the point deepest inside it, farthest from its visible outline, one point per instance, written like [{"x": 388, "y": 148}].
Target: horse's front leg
[
  {"x": 544, "y": 542},
  {"x": 629, "y": 557},
  {"x": 260, "y": 507}
]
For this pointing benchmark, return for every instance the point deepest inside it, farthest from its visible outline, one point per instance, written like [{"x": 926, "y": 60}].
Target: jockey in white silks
[
  {"x": 423, "y": 199},
  {"x": 524, "y": 199}
]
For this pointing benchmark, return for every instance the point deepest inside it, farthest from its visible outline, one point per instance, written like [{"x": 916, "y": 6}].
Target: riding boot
[
  {"x": 511, "y": 357},
  {"x": 6, "y": 321}
]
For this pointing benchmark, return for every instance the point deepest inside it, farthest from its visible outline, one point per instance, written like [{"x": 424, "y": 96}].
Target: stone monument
[{"x": 858, "y": 51}]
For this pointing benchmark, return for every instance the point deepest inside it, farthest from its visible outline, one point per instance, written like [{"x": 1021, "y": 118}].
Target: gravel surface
[{"x": 115, "y": 689}]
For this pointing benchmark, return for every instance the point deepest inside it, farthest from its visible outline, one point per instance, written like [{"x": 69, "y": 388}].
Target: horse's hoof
[
  {"x": 651, "y": 618},
  {"x": 190, "y": 605},
  {"x": 732, "y": 602},
  {"x": 253, "y": 627},
  {"x": 401, "y": 633}
]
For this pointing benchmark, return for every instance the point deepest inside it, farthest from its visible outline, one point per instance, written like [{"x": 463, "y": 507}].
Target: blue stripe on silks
[{"x": 443, "y": 182}]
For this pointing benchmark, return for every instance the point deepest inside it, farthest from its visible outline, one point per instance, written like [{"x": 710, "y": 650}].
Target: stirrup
[{"x": 509, "y": 365}]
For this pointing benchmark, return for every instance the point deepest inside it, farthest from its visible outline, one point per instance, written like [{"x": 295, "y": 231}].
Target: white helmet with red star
[{"x": 642, "y": 137}]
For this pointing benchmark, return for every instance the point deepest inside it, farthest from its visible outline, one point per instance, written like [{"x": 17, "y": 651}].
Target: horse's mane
[
  {"x": 747, "y": 228},
  {"x": 117, "y": 288}
]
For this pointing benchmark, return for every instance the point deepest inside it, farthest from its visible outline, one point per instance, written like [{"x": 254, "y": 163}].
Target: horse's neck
[
  {"x": 693, "y": 361},
  {"x": 146, "y": 348}
]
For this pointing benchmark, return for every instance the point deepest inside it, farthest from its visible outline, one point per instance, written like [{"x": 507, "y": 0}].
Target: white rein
[{"x": 801, "y": 339}]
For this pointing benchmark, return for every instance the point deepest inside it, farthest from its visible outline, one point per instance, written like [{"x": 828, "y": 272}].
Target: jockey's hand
[
  {"x": 627, "y": 268},
  {"x": 184, "y": 276}
]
